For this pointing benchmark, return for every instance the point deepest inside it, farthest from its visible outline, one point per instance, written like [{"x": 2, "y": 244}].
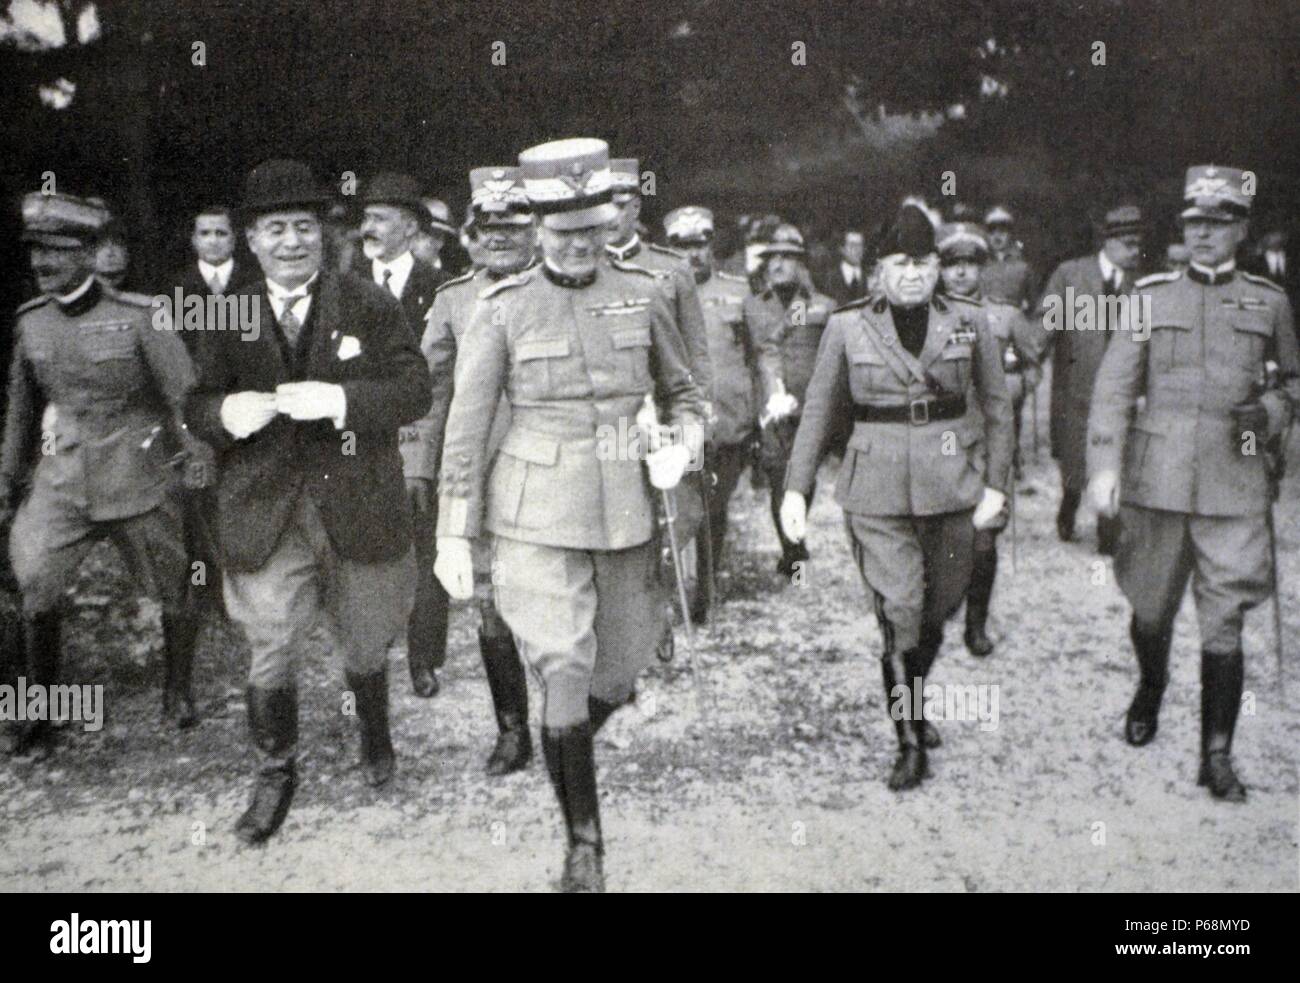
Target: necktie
[
  {"x": 1116, "y": 283},
  {"x": 289, "y": 322},
  {"x": 214, "y": 283},
  {"x": 388, "y": 281}
]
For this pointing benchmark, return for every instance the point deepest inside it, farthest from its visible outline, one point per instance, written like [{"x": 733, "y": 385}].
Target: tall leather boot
[
  {"x": 273, "y": 720},
  {"x": 377, "y": 758},
  {"x": 179, "y": 632},
  {"x": 1221, "y": 683},
  {"x": 426, "y": 631},
  {"x": 571, "y": 763},
  {"x": 1065, "y": 515},
  {"x": 42, "y": 637},
  {"x": 599, "y": 711},
  {"x": 1107, "y": 534},
  {"x": 984, "y": 570},
  {"x": 910, "y": 765},
  {"x": 926, "y": 652},
  {"x": 509, "y": 686},
  {"x": 1152, "y": 650}
]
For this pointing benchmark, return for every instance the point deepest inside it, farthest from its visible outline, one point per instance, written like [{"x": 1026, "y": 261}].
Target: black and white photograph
[{"x": 700, "y": 447}]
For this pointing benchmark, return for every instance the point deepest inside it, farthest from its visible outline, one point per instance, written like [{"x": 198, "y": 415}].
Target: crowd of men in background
[{"x": 399, "y": 434}]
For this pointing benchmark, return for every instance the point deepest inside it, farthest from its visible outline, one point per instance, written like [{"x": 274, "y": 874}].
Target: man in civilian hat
[
  {"x": 432, "y": 235},
  {"x": 1006, "y": 278},
  {"x": 578, "y": 345},
  {"x": 787, "y": 320},
  {"x": 392, "y": 217},
  {"x": 963, "y": 251},
  {"x": 847, "y": 279},
  {"x": 927, "y": 464},
  {"x": 502, "y": 233},
  {"x": 1217, "y": 365},
  {"x": 100, "y": 378},
  {"x": 313, "y": 518},
  {"x": 1076, "y": 319},
  {"x": 733, "y": 355}
]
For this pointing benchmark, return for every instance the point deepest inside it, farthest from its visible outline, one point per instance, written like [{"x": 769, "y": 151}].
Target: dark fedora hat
[
  {"x": 391, "y": 188},
  {"x": 274, "y": 185}
]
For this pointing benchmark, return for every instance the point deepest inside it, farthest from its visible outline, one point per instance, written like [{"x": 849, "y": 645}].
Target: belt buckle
[{"x": 922, "y": 417}]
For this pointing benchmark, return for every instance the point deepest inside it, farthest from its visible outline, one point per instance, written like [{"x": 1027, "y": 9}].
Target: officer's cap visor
[{"x": 581, "y": 218}]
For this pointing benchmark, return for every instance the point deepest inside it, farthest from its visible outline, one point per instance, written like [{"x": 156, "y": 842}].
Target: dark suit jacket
[
  {"x": 831, "y": 282},
  {"x": 417, "y": 298},
  {"x": 354, "y": 476},
  {"x": 191, "y": 281}
]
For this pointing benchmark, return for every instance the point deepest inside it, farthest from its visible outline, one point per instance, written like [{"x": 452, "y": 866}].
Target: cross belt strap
[{"x": 918, "y": 412}]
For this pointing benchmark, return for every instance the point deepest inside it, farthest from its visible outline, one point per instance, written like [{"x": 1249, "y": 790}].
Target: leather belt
[{"x": 918, "y": 412}]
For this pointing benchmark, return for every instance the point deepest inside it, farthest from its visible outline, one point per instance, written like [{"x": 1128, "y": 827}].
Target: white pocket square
[{"x": 349, "y": 347}]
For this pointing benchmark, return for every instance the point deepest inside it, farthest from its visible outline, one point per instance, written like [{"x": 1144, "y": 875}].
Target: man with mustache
[
  {"x": 100, "y": 391},
  {"x": 393, "y": 217},
  {"x": 577, "y": 345},
  {"x": 501, "y": 233},
  {"x": 926, "y": 467},
  {"x": 1188, "y": 470},
  {"x": 312, "y": 513}
]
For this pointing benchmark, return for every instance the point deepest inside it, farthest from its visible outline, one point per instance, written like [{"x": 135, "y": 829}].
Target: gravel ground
[{"x": 768, "y": 775}]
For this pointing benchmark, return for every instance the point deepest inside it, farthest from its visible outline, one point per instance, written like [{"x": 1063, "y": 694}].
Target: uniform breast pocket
[
  {"x": 954, "y": 367},
  {"x": 631, "y": 346},
  {"x": 1250, "y": 338},
  {"x": 1170, "y": 341},
  {"x": 536, "y": 365},
  {"x": 867, "y": 372}
]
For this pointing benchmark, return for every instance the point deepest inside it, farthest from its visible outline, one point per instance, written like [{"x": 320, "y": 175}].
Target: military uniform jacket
[
  {"x": 354, "y": 476},
  {"x": 788, "y": 338},
  {"x": 1008, "y": 279},
  {"x": 108, "y": 386},
  {"x": 904, "y": 468},
  {"x": 734, "y": 355},
  {"x": 576, "y": 363},
  {"x": 444, "y": 329},
  {"x": 1206, "y": 351},
  {"x": 1013, "y": 332},
  {"x": 678, "y": 283},
  {"x": 1076, "y": 356}
]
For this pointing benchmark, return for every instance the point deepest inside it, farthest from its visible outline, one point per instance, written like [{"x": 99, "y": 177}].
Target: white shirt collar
[
  {"x": 221, "y": 271},
  {"x": 401, "y": 268},
  {"x": 850, "y": 271},
  {"x": 277, "y": 294},
  {"x": 80, "y": 291},
  {"x": 1222, "y": 268},
  {"x": 1108, "y": 269}
]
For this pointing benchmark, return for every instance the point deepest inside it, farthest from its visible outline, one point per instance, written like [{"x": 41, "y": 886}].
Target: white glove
[
  {"x": 454, "y": 566},
  {"x": 668, "y": 464},
  {"x": 1103, "y": 493},
  {"x": 312, "y": 401},
  {"x": 989, "y": 509},
  {"x": 780, "y": 404},
  {"x": 243, "y": 414},
  {"x": 794, "y": 516}
]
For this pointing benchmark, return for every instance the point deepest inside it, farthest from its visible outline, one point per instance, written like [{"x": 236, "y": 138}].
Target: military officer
[
  {"x": 501, "y": 231},
  {"x": 733, "y": 355},
  {"x": 1076, "y": 348},
  {"x": 963, "y": 249},
  {"x": 576, "y": 345},
  {"x": 1006, "y": 276},
  {"x": 926, "y": 466},
  {"x": 1187, "y": 473},
  {"x": 97, "y": 381},
  {"x": 788, "y": 319}
]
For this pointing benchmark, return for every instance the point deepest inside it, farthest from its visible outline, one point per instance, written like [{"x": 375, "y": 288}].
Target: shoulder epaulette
[
  {"x": 518, "y": 280},
  {"x": 34, "y": 303},
  {"x": 654, "y": 247},
  {"x": 465, "y": 277},
  {"x": 1262, "y": 281},
  {"x": 626, "y": 267},
  {"x": 731, "y": 277},
  {"x": 126, "y": 297},
  {"x": 1166, "y": 276}
]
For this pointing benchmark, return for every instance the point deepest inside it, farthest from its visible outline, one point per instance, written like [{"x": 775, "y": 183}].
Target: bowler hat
[
  {"x": 276, "y": 185},
  {"x": 391, "y": 188}
]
